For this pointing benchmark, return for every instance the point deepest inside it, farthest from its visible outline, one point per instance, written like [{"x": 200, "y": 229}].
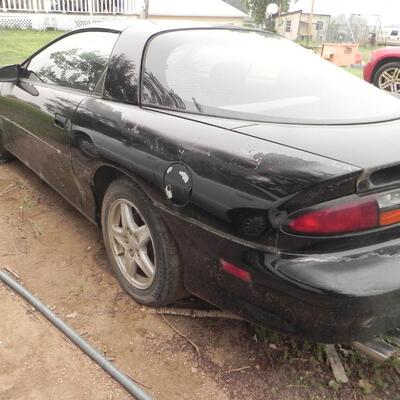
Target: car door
[{"x": 38, "y": 110}]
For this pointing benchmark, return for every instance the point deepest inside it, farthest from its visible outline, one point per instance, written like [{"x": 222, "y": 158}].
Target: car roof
[{"x": 157, "y": 26}]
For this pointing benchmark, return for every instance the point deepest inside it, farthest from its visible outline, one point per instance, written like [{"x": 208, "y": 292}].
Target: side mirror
[{"x": 10, "y": 73}]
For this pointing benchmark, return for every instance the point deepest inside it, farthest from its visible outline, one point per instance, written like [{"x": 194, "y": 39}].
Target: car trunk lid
[
  {"x": 373, "y": 147},
  {"x": 368, "y": 146}
]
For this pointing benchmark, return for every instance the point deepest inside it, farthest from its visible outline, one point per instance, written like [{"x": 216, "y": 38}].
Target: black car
[{"x": 228, "y": 163}]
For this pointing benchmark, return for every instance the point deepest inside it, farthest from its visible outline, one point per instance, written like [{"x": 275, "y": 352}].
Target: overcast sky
[{"x": 388, "y": 9}]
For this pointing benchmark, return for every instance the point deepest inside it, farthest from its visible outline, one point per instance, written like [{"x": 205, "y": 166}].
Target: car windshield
[{"x": 256, "y": 76}]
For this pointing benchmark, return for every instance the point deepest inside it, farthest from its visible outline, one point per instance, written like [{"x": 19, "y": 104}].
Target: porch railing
[{"x": 71, "y": 6}]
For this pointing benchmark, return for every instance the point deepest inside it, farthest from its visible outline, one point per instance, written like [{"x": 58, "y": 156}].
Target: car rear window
[{"x": 255, "y": 76}]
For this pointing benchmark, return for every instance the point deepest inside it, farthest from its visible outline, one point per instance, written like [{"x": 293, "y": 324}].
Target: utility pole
[
  {"x": 146, "y": 6},
  {"x": 310, "y": 20},
  {"x": 278, "y": 22}
]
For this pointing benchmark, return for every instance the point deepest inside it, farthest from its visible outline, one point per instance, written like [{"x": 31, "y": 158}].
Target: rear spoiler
[{"x": 382, "y": 178}]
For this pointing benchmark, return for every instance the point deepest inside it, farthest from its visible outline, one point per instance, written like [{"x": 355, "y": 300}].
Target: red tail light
[
  {"x": 360, "y": 215},
  {"x": 356, "y": 216}
]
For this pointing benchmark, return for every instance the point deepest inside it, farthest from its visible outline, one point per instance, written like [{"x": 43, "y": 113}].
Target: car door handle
[{"x": 60, "y": 121}]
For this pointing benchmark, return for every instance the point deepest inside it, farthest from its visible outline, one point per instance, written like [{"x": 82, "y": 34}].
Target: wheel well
[
  {"x": 383, "y": 62},
  {"x": 101, "y": 181}
]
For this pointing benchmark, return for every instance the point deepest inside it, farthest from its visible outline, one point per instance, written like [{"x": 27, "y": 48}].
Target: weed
[
  {"x": 26, "y": 202},
  {"x": 308, "y": 362}
]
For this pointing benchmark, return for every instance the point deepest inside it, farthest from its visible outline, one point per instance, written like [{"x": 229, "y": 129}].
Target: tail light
[{"x": 354, "y": 216}]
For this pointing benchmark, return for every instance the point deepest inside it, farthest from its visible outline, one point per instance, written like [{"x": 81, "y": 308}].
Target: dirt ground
[
  {"x": 34, "y": 356},
  {"x": 59, "y": 256}
]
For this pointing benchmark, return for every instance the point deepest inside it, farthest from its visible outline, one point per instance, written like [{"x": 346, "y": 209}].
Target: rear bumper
[
  {"x": 331, "y": 298},
  {"x": 304, "y": 307},
  {"x": 371, "y": 271},
  {"x": 361, "y": 289}
]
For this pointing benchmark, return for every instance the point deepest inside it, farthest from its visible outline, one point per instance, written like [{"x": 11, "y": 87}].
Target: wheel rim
[
  {"x": 132, "y": 244},
  {"x": 390, "y": 80}
]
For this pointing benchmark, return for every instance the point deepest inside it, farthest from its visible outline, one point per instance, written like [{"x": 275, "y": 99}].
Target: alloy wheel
[
  {"x": 390, "y": 80},
  {"x": 132, "y": 244}
]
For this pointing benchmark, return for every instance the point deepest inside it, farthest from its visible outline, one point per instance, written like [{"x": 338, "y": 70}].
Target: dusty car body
[{"x": 278, "y": 218}]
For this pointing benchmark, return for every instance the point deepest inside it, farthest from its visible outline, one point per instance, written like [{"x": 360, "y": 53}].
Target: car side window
[{"x": 76, "y": 61}]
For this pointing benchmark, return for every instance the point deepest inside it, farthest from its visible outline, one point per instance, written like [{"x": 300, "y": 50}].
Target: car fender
[{"x": 379, "y": 58}]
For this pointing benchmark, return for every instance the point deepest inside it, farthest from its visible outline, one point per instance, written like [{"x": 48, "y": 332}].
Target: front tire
[
  {"x": 140, "y": 248},
  {"x": 387, "y": 77},
  {"x": 5, "y": 156}
]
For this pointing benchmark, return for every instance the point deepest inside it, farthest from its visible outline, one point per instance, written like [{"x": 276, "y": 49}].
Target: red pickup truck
[{"x": 383, "y": 70}]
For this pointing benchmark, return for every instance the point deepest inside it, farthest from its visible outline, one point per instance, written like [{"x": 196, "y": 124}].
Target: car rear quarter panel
[{"x": 229, "y": 182}]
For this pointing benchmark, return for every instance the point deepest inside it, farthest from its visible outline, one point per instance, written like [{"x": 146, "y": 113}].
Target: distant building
[
  {"x": 70, "y": 14},
  {"x": 294, "y": 25},
  {"x": 207, "y": 11}
]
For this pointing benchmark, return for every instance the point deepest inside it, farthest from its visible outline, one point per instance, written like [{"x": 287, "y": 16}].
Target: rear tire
[
  {"x": 140, "y": 248},
  {"x": 387, "y": 77},
  {"x": 5, "y": 156}
]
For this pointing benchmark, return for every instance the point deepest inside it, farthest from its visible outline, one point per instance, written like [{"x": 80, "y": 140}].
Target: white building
[
  {"x": 69, "y": 14},
  {"x": 294, "y": 25}
]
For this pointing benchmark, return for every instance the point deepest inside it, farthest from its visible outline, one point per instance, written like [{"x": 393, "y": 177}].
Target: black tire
[
  {"x": 167, "y": 286},
  {"x": 382, "y": 69},
  {"x": 5, "y": 156}
]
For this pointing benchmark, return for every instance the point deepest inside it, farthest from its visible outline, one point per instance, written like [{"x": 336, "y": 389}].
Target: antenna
[{"x": 145, "y": 9}]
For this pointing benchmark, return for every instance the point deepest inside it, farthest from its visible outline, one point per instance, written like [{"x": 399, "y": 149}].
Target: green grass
[
  {"x": 355, "y": 71},
  {"x": 366, "y": 55},
  {"x": 366, "y": 52},
  {"x": 17, "y": 45}
]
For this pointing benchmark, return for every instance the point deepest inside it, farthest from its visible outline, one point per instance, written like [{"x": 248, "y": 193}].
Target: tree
[
  {"x": 73, "y": 68},
  {"x": 256, "y": 8}
]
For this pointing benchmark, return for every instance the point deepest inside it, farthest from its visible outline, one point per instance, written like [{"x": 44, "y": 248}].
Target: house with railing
[{"x": 70, "y": 14}]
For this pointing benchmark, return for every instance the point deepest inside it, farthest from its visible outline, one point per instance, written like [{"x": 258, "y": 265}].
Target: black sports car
[{"x": 224, "y": 162}]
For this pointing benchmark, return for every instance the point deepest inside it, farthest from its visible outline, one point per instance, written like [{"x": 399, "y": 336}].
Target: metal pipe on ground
[
  {"x": 95, "y": 355},
  {"x": 376, "y": 349}
]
